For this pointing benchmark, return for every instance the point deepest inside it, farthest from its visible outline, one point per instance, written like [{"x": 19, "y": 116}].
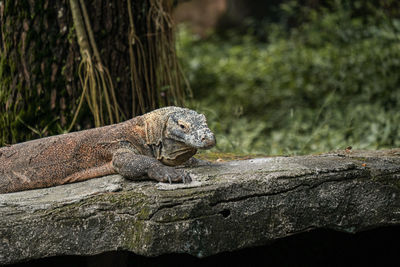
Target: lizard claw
[
  {"x": 186, "y": 179},
  {"x": 169, "y": 174}
]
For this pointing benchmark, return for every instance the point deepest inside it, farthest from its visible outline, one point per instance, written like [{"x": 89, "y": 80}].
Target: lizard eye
[{"x": 183, "y": 125}]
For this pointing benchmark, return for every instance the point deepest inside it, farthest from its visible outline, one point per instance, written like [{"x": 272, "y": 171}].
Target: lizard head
[{"x": 189, "y": 127}]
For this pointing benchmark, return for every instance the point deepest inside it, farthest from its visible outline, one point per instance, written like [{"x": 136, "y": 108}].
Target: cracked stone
[{"x": 228, "y": 206}]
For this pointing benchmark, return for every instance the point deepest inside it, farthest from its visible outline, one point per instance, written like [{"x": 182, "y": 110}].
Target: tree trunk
[
  {"x": 39, "y": 55},
  {"x": 40, "y": 87}
]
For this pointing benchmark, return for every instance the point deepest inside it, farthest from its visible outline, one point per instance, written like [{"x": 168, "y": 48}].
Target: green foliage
[{"x": 331, "y": 82}]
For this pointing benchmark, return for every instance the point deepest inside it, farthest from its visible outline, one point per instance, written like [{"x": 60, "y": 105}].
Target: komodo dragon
[{"x": 135, "y": 148}]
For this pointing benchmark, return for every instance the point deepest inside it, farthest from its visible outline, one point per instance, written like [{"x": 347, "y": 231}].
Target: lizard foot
[{"x": 169, "y": 174}]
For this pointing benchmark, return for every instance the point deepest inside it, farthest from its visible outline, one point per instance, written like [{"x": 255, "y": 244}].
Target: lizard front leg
[{"x": 132, "y": 166}]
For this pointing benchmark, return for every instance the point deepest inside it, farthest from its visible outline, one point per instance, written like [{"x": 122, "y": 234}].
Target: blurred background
[
  {"x": 273, "y": 77},
  {"x": 294, "y": 77}
]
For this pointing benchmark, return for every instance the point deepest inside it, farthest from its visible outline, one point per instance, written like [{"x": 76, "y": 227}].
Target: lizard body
[{"x": 145, "y": 145}]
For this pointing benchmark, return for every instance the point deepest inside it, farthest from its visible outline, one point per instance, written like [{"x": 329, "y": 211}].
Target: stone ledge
[{"x": 228, "y": 206}]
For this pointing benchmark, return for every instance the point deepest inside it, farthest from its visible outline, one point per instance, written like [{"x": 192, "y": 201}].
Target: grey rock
[{"x": 228, "y": 206}]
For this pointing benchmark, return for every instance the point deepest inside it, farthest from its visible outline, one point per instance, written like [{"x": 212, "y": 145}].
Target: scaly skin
[{"x": 142, "y": 146}]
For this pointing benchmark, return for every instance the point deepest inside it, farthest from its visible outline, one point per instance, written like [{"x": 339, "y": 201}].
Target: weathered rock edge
[{"x": 228, "y": 206}]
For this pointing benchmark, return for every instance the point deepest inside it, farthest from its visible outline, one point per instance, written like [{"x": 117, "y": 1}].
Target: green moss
[
  {"x": 132, "y": 200},
  {"x": 226, "y": 156},
  {"x": 362, "y": 159},
  {"x": 26, "y": 104},
  {"x": 71, "y": 35}
]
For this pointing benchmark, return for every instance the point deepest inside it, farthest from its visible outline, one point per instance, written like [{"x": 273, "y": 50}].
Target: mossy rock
[{"x": 228, "y": 206}]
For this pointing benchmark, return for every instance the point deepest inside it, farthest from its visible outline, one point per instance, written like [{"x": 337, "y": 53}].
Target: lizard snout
[{"x": 208, "y": 139}]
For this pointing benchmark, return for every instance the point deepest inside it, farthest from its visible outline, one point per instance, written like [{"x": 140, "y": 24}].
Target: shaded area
[{"x": 314, "y": 248}]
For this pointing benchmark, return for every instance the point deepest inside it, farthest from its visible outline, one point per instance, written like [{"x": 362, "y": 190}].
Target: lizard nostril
[{"x": 207, "y": 139}]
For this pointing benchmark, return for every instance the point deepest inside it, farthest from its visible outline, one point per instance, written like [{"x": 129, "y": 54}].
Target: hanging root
[
  {"x": 155, "y": 70},
  {"x": 97, "y": 85},
  {"x": 156, "y": 77}
]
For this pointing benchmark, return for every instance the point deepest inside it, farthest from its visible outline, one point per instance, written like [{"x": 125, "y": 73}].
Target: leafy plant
[{"x": 331, "y": 82}]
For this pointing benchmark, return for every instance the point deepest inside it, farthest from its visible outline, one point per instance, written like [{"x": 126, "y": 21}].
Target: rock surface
[{"x": 228, "y": 206}]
